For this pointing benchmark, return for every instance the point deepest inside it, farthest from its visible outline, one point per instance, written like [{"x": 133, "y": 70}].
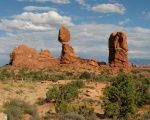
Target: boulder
[{"x": 64, "y": 35}]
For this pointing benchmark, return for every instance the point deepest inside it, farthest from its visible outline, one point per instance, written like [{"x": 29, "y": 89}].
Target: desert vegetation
[{"x": 46, "y": 94}]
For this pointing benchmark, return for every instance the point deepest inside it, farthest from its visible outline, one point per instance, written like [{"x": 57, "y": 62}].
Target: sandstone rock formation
[
  {"x": 45, "y": 59},
  {"x": 67, "y": 55},
  {"x": 118, "y": 49},
  {"x": 64, "y": 35},
  {"x": 23, "y": 56}
]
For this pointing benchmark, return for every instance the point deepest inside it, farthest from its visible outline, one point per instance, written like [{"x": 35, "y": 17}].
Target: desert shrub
[
  {"x": 81, "y": 110},
  {"x": 67, "y": 73},
  {"x": 146, "y": 116},
  {"x": 142, "y": 94},
  {"x": 84, "y": 110},
  {"x": 52, "y": 93},
  {"x": 67, "y": 116},
  {"x": 72, "y": 116},
  {"x": 119, "y": 98},
  {"x": 106, "y": 72},
  {"x": 135, "y": 71},
  {"x": 90, "y": 100},
  {"x": 85, "y": 75},
  {"x": 4, "y": 73},
  {"x": 66, "y": 92},
  {"x": 62, "y": 106},
  {"x": 40, "y": 101},
  {"x": 16, "y": 108},
  {"x": 78, "y": 83}
]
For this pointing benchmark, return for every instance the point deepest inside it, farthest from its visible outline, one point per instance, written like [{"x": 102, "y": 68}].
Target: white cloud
[
  {"x": 124, "y": 22},
  {"x": 54, "y": 1},
  {"x": 106, "y": 8},
  {"x": 21, "y": 25},
  {"x": 141, "y": 30},
  {"x": 35, "y": 8},
  {"x": 80, "y": 1},
  {"x": 35, "y": 21}
]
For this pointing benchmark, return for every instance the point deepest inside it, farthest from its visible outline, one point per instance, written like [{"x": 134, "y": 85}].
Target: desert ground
[{"x": 30, "y": 91}]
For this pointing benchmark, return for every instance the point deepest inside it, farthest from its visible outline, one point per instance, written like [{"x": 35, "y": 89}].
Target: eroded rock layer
[
  {"x": 118, "y": 50},
  {"x": 23, "y": 56}
]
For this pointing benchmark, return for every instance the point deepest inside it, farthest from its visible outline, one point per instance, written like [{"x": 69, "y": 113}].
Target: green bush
[
  {"x": 72, "y": 116},
  {"x": 142, "y": 94},
  {"x": 85, "y": 75},
  {"x": 106, "y": 72},
  {"x": 52, "y": 93},
  {"x": 87, "y": 112},
  {"x": 64, "y": 92},
  {"x": 16, "y": 108},
  {"x": 81, "y": 110},
  {"x": 78, "y": 83},
  {"x": 40, "y": 101},
  {"x": 67, "y": 116},
  {"x": 62, "y": 106},
  {"x": 67, "y": 73},
  {"x": 68, "y": 92},
  {"x": 120, "y": 98},
  {"x": 146, "y": 116}
]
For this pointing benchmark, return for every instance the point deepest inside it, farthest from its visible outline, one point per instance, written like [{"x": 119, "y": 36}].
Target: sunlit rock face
[
  {"x": 23, "y": 56},
  {"x": 118, "y": 50}
]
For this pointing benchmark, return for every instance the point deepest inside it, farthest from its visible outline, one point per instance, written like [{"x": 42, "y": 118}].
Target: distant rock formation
[
  {"x": 118, "y": 48},
  {"x": 67, "y": 55},
  {"x": 23, "y": 56}
]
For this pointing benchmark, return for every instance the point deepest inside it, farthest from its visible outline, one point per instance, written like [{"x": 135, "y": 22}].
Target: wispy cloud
[
  {"x": 82, "y": 2},
  {"x": 107, "y": 8},
  {"x": 124, "y": 22},
  {"x": 146, "y": 14},
  {"x": 35, "y": 8},
  {"x": 54, "y": 1},
  {"x": 104, "y": 8}
]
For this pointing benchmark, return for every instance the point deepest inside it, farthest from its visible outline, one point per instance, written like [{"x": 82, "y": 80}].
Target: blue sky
[{"x": 36, "y": 24}]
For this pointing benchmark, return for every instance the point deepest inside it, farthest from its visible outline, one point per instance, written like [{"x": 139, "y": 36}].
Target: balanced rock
[
  {"x": 23, "y": 56},
  {"x": 67, "y": 55},
  {"x": 64, "y": 35},
  {"x": 118, "y": 49}
]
